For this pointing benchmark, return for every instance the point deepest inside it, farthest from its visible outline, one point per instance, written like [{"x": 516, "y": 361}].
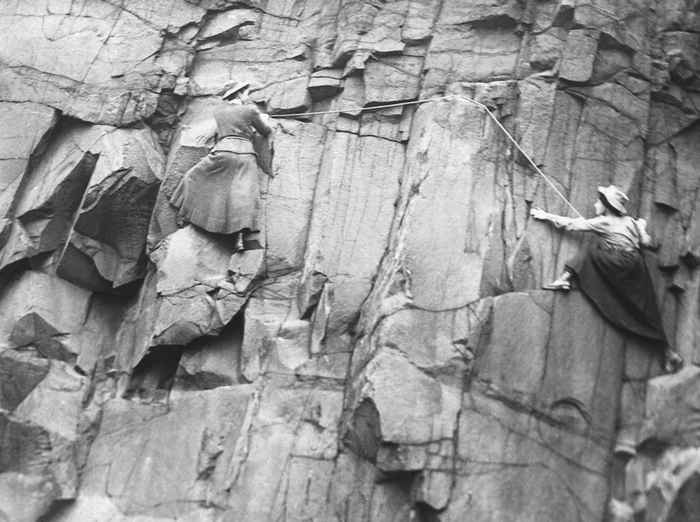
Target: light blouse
[{"x": 619, "y": 232}]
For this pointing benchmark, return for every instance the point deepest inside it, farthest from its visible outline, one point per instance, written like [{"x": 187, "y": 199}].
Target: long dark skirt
[
  {"x": 221, "y": 193},
  {"x": 619, "y": 285}
]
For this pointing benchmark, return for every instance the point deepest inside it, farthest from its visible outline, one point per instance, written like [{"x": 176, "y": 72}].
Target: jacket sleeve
[{"x": 595, "y": 224}]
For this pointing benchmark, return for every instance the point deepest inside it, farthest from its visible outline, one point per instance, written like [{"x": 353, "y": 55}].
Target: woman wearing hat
[
  {"x": 612, "y": 273},
  {"x": 221, "y": 193}
]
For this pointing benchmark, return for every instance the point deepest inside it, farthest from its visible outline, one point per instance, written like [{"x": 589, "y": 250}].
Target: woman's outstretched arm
[{"x": 567, "y": 223}]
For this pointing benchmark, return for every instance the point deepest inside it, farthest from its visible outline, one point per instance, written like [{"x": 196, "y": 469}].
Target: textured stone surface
[
  {"x": 88, "y": 201},
  {"x": 97, "y": 61},
  {"x": 26, "y": 127},
  {"x": 387, "y": 355}
]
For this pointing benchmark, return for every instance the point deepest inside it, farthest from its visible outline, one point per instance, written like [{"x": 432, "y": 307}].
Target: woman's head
[{"x": 611, "y": 200}]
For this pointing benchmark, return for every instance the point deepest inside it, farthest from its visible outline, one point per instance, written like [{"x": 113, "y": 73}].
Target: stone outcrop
[{"x": 388, "y": 354}]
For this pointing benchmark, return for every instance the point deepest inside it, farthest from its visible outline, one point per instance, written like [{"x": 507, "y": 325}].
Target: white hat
[{"x": 614, "y": 197}]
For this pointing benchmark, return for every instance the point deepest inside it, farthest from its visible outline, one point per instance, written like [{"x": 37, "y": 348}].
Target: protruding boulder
[
  {"x": 43, "y": 313},
  {"x": 89, "y": 201}
]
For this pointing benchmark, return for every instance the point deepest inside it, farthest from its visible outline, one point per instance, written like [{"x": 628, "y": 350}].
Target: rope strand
[{"x": 438, "y": 98}]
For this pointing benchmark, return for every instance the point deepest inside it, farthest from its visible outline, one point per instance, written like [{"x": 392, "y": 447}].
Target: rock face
[{"x": 388, "y": 354}]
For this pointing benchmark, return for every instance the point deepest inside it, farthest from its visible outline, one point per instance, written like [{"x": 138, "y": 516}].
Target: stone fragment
[
  {"x": 486, "y": 12},
  {"x": 471, "y": 53},
  {"x": 661, "y": 161},
  {"x": 190, "y": 257},
  {"x": 55, "y": 404},
  {"x": 434, "y": 489},
  {"x": 211, "y": 362},
  {"x": 420, "y": 18},
  {"x": 45, "y": 311},
  {"x": 352, "y": 99},
  {"x": 687, "y": 181},
  {"x": 412, "y": 410},
  {"x": 32, "y": 330},
  {"x": 434, "y": 342},
  {"x": 89, "y": 199},
  {"x": 194, "y": 299},
  {"x": 353, "y": 20},
  {"x": 52, "y": 193},
  {"x": 682, "y": 51},
  {"x": 391, "y": 79},
  {"x": 228, "y": 23},
  {"x": 42, "y": 442},
  {"x": 110, "y": 229},
  {"x": 669, "y": 232},
  {"x": 676, "y": 15},
  {"x": 385, "y": 34},
  {"x": 289, "y": 96},
  {"x": 671, "y": 414},
  {"x": 579, "y": 55},
  {"x": 605, "y": 15},
  {"x": 545, "y": 49},
  {"x": 537, "y": 103},
  {"x": 324, "y": 83},
  {"x": 255, "y": 62},
  {"x": 667, "y": 120},
  {"x": 20, "y": 373},
  {"x": 25, "y": 497}
]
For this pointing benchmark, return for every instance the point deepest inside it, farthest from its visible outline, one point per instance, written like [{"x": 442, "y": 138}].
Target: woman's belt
[{"x": 238, "y": 144}]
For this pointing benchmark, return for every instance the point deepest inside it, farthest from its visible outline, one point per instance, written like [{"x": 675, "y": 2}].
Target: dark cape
[
  {"x": 618, "y": 284},
  {"x": 221, "y": 193}
]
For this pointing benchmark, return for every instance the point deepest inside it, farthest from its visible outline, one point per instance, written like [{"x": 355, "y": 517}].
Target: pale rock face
[
  {"x": 100, "y": 62},
  {"x": 387, "y": 355},
  {"x": 26, "y": 127}
]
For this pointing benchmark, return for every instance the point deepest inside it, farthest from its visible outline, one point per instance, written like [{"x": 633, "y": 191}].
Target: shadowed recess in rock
[{"x": 154, "y": 375}]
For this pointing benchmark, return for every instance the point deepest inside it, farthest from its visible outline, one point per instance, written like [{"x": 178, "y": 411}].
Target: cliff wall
[{"x": 388, "y": 356}]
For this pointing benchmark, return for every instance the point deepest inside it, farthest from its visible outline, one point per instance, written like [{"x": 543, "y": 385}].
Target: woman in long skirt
[
  {"x": 612, "y": 272},
  {"x": 221, "y": 193}
]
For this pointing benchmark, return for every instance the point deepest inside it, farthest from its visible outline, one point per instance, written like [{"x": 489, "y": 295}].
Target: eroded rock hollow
[{"x": 388, "y": 355}]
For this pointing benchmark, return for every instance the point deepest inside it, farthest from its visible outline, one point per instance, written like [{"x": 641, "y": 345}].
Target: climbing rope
[{"x": 438, "y": 98}]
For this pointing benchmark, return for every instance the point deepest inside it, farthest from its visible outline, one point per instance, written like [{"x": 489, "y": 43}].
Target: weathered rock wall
[{"x": 388, "y": 356}]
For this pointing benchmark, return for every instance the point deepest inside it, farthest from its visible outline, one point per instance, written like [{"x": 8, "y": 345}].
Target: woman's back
[{"x": 238, "y": 120}]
